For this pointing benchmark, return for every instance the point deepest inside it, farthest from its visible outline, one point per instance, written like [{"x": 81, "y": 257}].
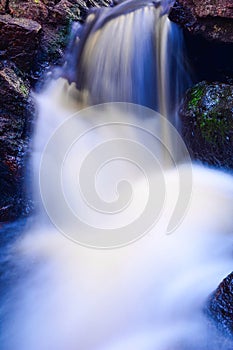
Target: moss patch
[
  {"x": 214, "y": 128},
  {"x": 207, "y": 123},
  {"x": 196, "y": 95}
]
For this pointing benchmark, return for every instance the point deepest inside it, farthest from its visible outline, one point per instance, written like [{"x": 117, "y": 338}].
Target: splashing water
[
  {"x": 113, "y": 45},
  {"x": 149, "y": 294},
  {"x": 137, "y": 52}
]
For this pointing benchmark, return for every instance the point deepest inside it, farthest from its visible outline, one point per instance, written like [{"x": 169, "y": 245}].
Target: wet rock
[
  {"x": 207, "y": 123},
  {"x": 14, "y": 90},
  {"x": 209, "y": 18},
  {"x": 220, "y": 305},
  {"x": 35, "y": 10},
  {"x": 74, "y": 10},
  {"x": 66, "y": 11},
  {"x": 19, "y": 40},
  {"x": 56, "y": 29},
  {"x": 16, "y": 114},
  {"x": 33, "y": 35}
]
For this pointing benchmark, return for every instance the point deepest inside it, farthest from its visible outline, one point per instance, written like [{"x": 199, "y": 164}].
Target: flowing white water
[
  {"x": 148, "y": 295},
  {"x": 131, "y": 53},
  {"x": 145, "y": 296},
  {"x": 137, "y": 52}
]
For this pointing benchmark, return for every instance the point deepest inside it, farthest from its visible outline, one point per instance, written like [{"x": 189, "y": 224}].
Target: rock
[
  {"x": 50, "y": 3},
  {"x": 66, "y": 11},
  {"x": 3, "y": 6},
  {"x": 74, "y": 10},
  {"x": 212, "y": 19},
  {"x": 204, "y": 8},
  {"x": 207, "y": 123},
  {"x": 14, "y": 91},
  {"x": 35, "y": 10},
  {"x": 19, "y": 40},
  {"x": 16, "y": 114},
  {"x": 33, "y": 35},
  {"x": 220, "y": 305},
  {"x": 56, "y": 30}
]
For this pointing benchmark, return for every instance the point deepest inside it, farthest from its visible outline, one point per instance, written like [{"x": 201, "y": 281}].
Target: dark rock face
[
  {"x": 35, "y": 10},
  {"x": 212, "y": 19},
  {"x": 16, "y": 112},
  {"x": 207, "y": 123},
  {"x": 19, "y": 40},
  {"x": 220, "y": 305}
]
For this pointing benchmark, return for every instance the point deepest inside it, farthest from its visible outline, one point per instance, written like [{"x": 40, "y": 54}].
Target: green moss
[
  {"x": 24, "y": 90},
  {"x": 59, "y": 42},
  {"x": 196, "y": 96},
  {"x": 213, "y": 128}
]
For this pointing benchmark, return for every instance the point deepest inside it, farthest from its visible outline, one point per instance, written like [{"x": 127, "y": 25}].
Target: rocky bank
[
  {"x": 33, "y": 36},
  {"x": 210, "y": 18}
]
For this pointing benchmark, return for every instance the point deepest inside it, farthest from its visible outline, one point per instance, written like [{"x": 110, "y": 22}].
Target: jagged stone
[
  {"x": 16, "y": 113},
  {"x": 19, "y": 40},
  {"x": 220, "y": 305},
  {"x": 207, "y": 123},
  {"x": 211, "y": 19}
]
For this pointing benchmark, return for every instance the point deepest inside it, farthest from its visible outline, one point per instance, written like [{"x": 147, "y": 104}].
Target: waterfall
[
  {"x": 114, "y": 43},
  {"x": 100, "y": 169}
]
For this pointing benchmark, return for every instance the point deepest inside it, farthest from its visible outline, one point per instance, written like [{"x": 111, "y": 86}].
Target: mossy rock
[
  {"x": 207, "y": 123},
  {"x": 15, "y": 128}
]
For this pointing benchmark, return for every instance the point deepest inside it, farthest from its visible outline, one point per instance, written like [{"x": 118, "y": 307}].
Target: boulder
[
  {"x": 65, "y": 11},
  {"x": 16, "y": 114},
  {"x": 35, "y": 10},
  {"x": 220, "y": 305},
  {"x": 207, "y": 123},
  {"x": 209, "y": 18},
  {"x": 19, "y": 40},
  {"x": 74, "y": 10}
]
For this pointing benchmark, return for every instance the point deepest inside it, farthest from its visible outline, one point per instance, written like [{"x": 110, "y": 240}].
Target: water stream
[{"x": 150, "y": 294}]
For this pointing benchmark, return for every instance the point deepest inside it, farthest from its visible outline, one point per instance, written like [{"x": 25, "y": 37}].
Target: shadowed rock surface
[
  {"x": 19, "y": 40},
  {"x": 209, "y": 18},
  {"x": 207, "y": 123},
  {"x": 16, "y": 114},
  {"x": 220, "y": 305}
]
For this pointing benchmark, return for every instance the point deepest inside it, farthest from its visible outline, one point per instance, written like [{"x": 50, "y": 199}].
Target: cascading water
[
  {"x": 136, "y": 51},
  {"x": 149, "y": 294}
]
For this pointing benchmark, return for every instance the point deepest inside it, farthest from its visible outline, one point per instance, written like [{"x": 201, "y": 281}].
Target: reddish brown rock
[
  {"x": 220, "y": 8},
  {"x": 19, "y": 40},
  {"x": 65, "y": 11},
  {"x": 31, "y": 9},
  {"x": 212, "y": 19}
]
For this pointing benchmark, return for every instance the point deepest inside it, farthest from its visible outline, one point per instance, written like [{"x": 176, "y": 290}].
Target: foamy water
[{"x": 148, "y": 295}]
